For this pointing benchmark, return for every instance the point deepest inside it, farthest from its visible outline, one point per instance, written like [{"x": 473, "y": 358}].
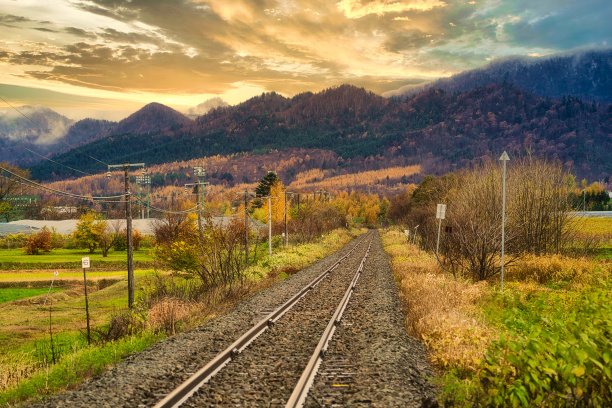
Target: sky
[{"x": 107, "y": 58}]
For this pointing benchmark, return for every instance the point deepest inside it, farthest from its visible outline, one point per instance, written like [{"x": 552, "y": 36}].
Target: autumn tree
[
  {"x": 90, "y": 227},
  {"x": 107, "y": 235},
  {"x": 40, "y": 241}
]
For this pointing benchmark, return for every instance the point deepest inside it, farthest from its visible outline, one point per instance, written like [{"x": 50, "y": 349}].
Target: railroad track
[{"x": 278, "y": 368}]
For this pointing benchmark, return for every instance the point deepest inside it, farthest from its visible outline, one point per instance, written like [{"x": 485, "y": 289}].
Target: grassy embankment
[
  {"x": 26, "y": 367},
  {"x": 545, "y": 341}
]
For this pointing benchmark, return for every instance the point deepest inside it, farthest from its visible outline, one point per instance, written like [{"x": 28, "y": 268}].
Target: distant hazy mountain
[
  {"x": 587, "y": 75},
  {"x": 43, "y": 127},
  {"x": 441, "y": 130},
  {"x": 153, "y": 117},
  {"x": 19, "y": 136}
]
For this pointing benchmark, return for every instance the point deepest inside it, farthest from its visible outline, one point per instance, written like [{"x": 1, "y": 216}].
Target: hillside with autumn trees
[{"x": 438, "y": 130}]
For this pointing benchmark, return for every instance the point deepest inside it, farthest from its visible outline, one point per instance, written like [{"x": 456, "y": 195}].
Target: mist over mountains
[
  {"x": 555, "y": 107},
  {"x": 586, "y": 75}
]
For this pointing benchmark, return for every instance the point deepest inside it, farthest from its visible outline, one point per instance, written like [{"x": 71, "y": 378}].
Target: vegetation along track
[{"x": 387, "y": 367}]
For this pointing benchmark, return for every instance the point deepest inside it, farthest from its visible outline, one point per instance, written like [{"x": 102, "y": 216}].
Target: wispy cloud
[{"x": 187, "y": 51}]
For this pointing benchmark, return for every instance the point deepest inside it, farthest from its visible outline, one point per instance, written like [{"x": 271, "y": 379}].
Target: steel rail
[
  {"x": 184, "y": 391},
  {"x": 300, "y": 392}
]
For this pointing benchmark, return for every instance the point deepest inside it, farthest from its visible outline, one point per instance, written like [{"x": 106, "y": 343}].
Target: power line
[
  {"x": 161, "y": 210},
  {"x": 65, "y": 193}
]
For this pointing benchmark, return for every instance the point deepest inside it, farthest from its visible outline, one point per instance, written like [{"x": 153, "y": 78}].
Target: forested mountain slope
[{"x": 439, "y": 129}]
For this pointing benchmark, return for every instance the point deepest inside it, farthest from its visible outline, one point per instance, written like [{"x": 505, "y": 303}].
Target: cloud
[
  {"x": 193, "y": 50},
  {"x": 358, "y": 8},
  {"x": 206, "y": 106}
]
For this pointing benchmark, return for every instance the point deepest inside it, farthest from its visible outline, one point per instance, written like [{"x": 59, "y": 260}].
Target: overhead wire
[
  {"x": 147, "y": 205},
  {"x": 111, "y": 199},
  {"x": 65, "y": 193}
]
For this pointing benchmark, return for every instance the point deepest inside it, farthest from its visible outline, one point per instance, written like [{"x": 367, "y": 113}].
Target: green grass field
[
  {"x": 70, "y": 255},
  {"x": 12, "y": 294}
]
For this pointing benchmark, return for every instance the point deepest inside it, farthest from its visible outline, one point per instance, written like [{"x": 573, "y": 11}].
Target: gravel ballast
[{"x": 371, "y": 361}]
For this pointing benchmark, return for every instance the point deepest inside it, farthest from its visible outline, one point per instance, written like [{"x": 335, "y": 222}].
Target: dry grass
[
  {"x": 557, "y": 268},
  {"x": 440, "y": 310},
  {"x": 167, "y": 314}
]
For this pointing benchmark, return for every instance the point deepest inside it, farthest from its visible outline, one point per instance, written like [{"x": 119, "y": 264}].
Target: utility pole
[
  {"x": 246, "y": 227},
  {"x": 504, "y": 159},
  {"x": 128, "y": 217},
  {"x": 270, "y": 225},
  {"x": 285, "y": 216},
  {"x": 198, "y": 190},
  {"x": 144, "y": 180}
]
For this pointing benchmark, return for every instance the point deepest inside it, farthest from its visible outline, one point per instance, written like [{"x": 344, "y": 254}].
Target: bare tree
[{"x": 537, "y": 219}]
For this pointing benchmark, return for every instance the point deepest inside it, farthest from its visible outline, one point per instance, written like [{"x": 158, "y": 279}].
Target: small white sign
[
  {"x": 441, "y": 211},
  {"x": 85, "y": 262}
]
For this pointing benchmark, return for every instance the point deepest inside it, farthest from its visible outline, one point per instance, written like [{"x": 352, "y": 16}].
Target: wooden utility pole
[
  {"x": 128, "y": 218},
  {"x": 270, "y": 225},
  {"x": 285, "y": 216},
  {"x": 246, "y": 227}
]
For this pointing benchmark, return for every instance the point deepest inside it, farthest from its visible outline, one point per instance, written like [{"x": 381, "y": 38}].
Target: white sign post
[
  {"x": 85, "y": 264},
  {"x": 440, "y": 215},
  {"x": 504, "y": 159}
]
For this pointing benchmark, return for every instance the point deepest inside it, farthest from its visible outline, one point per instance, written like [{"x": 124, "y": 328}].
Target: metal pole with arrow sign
[{"x": 440, "y": 215}]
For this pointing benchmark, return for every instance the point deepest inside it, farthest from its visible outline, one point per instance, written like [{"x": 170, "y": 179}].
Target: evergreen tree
[{"x": 263, "y": 189}]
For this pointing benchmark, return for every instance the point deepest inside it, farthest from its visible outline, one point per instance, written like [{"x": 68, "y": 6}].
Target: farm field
[
  {"x": 25, "y": 348},
  {"x": 58, "y": 258},
  {"x": 12, "y": 294},
  {"x": 42, "y": 277}
]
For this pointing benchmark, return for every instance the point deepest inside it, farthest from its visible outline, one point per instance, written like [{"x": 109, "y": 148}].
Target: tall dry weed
[
  {"x": 168, "y": 314},
  {"x": 439, "y": 309},
  {"x": 558, "y": 268}
]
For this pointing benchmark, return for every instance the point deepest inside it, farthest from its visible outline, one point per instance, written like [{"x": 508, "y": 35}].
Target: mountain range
[{"x": 556, "y": 107}]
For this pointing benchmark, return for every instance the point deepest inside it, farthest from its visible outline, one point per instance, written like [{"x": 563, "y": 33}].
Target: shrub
[
  {"x": 216, "y": 258},
  {"x": 563, "y": 360},
  {"x": 41, "y": 241},
  {"x": 122, "y": 323},
  {"x": 57, "y": 240},
  {"x": 13, "y": 241},
  {"x": 167, "y": 314}
]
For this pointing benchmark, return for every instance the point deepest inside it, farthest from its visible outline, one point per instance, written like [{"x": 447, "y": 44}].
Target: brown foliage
[
  {"x": 39, "y": 242},
  {"x": 314, "y": 220}
]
